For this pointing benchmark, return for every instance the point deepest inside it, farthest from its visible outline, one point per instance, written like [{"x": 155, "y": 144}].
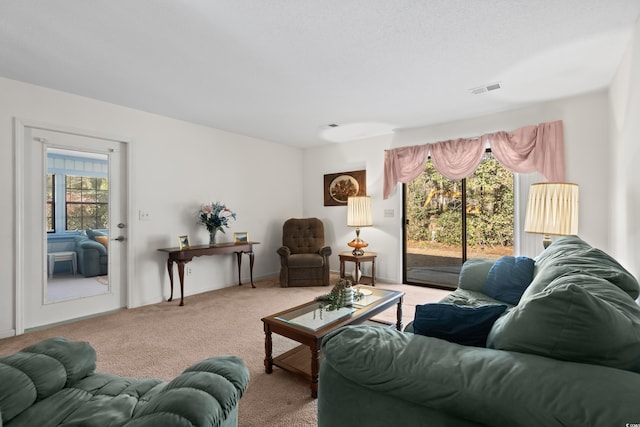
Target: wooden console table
[{"x": 183, "y": 256}]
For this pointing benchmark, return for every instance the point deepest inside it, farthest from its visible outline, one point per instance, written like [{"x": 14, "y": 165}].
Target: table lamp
[
  {"x": 552, "y": 209},
  {"x": 359, "y": 215}
]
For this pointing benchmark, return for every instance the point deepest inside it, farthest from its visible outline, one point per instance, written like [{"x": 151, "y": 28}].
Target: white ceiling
[{"x": 283, "y": 70}]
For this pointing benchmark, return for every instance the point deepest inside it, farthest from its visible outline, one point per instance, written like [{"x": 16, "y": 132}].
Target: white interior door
[{"x": 38, "y": 308}]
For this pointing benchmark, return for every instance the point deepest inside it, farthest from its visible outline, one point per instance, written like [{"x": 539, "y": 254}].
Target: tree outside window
[
  {"x": 451, "y": 221},
  {"x": 87, "y": 202},
  {"x": 51, "y": 203}
]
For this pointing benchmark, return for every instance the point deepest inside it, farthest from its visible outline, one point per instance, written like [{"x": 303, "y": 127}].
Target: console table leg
[
  {"x": 170, "y": 269},
  {"x": 251, "y": 259},
  {"x": 239, "y": 257},
  {"x": 181, "y": 276}
]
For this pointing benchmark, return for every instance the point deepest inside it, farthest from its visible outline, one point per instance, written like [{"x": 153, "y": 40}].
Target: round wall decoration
[
  {"x": 342, "y": 187},
  {"x": 338, "y": 187}
]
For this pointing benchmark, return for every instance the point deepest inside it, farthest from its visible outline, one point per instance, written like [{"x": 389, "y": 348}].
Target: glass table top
[{"x": 315, "y": 316}]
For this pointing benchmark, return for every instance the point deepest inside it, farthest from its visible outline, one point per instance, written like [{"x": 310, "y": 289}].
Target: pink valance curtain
[{"x": 531, "y": 148}]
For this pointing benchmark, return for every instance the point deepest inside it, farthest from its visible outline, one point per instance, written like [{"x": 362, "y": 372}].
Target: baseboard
[
  {"x": 63, "y": 322},
  {"x": 7, "y": 333}
]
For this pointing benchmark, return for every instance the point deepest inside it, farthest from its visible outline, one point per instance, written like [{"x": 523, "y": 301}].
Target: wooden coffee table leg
[
  {"x": 268, "y": 350},
  {"x": 315, "y": 369}
]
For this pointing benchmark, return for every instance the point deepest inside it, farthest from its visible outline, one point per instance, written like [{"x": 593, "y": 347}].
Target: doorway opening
[
  {"x": 70, "y": 184},
  {"x": 447, "y": 222}
]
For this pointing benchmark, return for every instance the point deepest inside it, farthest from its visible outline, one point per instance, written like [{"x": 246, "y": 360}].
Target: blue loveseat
[
  {"x": 54, "y": 383},
  {"x": 566, "y": 354}
]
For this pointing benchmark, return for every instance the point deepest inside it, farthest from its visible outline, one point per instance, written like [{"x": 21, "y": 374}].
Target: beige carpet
[{"x": 161, "y": 340}]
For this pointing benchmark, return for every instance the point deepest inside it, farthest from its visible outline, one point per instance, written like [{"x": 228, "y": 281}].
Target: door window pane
[
  {"x": 433, "y": 229},
  {"x": 86, "y": 202},
  {"x": 451, "y": 221},
  {"x": 490, "y": 227}
]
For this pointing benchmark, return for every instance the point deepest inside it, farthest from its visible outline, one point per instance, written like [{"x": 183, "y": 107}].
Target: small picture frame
[
  {"x": 240, "y": 237},
  {"x": 183, "y": 242}
]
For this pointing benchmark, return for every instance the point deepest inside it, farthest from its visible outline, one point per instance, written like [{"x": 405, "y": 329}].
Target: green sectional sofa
[
  {"x": 54, "y": 383},
  {"x": 567, "y": 353}
]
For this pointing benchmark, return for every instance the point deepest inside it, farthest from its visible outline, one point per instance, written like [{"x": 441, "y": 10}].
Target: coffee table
[{"x": 309, "y": 323}]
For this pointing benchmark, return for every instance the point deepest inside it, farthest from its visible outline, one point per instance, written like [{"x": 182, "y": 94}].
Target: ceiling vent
[{"x": 486, "y": 88}]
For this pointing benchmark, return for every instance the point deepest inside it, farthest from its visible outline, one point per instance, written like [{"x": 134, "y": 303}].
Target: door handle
[{"x": 120, "y": 239}]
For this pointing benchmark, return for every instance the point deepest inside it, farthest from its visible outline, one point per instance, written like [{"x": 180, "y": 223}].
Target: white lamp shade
[
  {"x": 552, "y": 209},
  {"x": 359, "y": 211}
]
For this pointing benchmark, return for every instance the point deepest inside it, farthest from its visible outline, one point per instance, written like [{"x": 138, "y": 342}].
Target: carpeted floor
[{"x": 161, "y": 340}]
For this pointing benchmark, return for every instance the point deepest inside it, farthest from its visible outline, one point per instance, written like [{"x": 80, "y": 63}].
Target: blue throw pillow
[
  {"x": 508, "y": 278},
  {"x": 456, "y": 323}
]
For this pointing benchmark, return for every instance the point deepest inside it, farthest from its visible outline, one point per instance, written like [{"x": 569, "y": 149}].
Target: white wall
[
  {"x": 586, "y": 124},
  {"x": 625, "y": 137},
  {"x": 176, "y": 167},
  {"x": 384, "y": 236}
]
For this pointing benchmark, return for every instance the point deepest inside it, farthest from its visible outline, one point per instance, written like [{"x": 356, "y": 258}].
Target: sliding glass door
[{"x": 447, "y": 222}]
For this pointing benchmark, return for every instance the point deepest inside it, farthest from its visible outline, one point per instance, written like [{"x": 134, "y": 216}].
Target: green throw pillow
[
  {"x": 577, "y": 317},
  {"x": 474, "y": 273}
]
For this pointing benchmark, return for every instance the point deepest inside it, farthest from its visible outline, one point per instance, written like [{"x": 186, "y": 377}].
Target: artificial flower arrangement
[
  {"x": 342, "y": 295},
  {"x": 215, "y": 216}
]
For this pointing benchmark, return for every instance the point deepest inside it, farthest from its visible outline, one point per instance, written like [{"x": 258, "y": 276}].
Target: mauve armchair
[{"x": 304, "y": 259}]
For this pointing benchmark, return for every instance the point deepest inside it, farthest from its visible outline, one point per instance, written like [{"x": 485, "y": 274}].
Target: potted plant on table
[{"x": 343, "y": 294}]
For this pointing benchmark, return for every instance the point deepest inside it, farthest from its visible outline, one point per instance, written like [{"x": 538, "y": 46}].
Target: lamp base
[{"x": 357, "y": 244}]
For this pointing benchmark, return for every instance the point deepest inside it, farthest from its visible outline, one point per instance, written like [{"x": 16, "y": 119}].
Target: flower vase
[
  {"x": 212, "y": 237},
  {"x": 356, "y": 275},
  {"x": 346, "y": 297}
]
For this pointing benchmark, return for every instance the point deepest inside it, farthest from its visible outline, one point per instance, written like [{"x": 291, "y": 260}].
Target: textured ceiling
[{"x": 283, "y": 70}]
